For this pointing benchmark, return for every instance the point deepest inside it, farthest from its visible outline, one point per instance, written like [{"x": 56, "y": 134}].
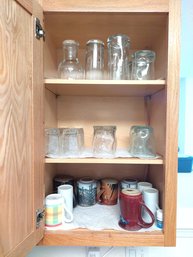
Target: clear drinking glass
[
  {"x": 72, "y": 140},
  {"x": 94, "y": 59},
  {"x": 143, "y": 65},
  {"x": 70, "y": 68},
  {"x": 118, "y": 57},
  {"x": 104, "y": 141},
  {"x": 52, "y": 142},
  {"x": 142, "y": 142}
]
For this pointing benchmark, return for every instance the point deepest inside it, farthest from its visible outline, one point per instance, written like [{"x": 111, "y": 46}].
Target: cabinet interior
[{"x": 83, "y": 109}]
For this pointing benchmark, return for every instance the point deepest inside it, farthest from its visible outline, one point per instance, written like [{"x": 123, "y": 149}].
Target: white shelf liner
[{"x": 97, "y": 217}]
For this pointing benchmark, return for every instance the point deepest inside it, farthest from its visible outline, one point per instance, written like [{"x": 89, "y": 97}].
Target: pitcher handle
[{"x": 142, "y": 223}]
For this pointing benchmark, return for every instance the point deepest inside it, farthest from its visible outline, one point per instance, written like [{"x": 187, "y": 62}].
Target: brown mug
[
  {"x": 108, "y": 194},
  {"x": 131, "y": 206}
]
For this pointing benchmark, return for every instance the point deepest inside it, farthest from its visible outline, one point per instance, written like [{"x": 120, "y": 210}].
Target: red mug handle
[{"x": 142, "y": 223}]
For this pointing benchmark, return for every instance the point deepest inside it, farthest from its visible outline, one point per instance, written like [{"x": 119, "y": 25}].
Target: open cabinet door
[{"x": 21, "y": 127}]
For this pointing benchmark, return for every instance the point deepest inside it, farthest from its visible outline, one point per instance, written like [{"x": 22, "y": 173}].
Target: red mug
[{"x": 131, "y": 206}]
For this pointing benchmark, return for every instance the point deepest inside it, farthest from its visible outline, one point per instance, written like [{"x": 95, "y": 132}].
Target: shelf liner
[
  {"x": 87, "y": 153},
  {"x": 96, "y": 218}
]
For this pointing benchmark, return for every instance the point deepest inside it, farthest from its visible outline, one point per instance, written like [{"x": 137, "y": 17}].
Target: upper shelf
[{"x": 104, "y": 87}]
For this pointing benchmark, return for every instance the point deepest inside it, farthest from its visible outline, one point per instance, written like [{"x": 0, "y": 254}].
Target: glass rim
[{"x": 93, "y": 41}]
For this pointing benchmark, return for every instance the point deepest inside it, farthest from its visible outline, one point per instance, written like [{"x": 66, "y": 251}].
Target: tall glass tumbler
[
  {"x": 143, "y": 65},
  {"x": 118, "y": 57},
  {"x": 94, "y": 59}
]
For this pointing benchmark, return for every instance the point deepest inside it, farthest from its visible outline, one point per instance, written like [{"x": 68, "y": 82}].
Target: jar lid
[{"x": 95, "y": 41}]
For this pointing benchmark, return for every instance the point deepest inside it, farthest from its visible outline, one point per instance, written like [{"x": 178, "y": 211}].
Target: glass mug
[
  {"x": 141, "y": 142},
  {"x": 132, "y": 207},
  {"x": 104, "y": 141},
  {"x": 52, "y": 142},
  {"x": 143, "y": 65}
]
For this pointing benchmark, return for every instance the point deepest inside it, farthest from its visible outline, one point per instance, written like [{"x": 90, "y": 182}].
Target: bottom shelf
[
  {"x": 98, "y": 226},
  {"x": 83, "y": 237}
]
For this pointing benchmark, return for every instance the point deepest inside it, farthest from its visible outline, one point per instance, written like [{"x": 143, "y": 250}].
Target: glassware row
[
  {"x": 69, "y": 142},
  {"x": 120, "y": 67}
]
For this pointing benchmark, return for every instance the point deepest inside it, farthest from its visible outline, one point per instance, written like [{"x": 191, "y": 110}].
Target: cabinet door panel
[{"x": 17, "y": 174}]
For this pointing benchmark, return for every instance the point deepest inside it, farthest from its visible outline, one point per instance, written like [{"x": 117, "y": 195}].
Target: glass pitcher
[{"x": 70, "y": 67}]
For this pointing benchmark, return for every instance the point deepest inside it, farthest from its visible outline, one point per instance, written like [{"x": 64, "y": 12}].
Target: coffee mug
[
  {"x": 108, "y": 193},
  {"x": 86, "y": 191},
  {"x": 66, "y": 191},
  {"x": 141, "y": 186},
  {"x": 151, "y": 200},
  {"x": 65, "y": 180},
  {"x": 53, "y": 210},
  {"x": 131, "y": 203},
  {"x": 128, "y": 183}
]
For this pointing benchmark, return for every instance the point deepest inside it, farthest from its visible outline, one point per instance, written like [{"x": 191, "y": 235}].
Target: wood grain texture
[
  {"x": 16, "y": 128},
  {"x": 27, "y": 4},
  {"x": 102, "y": 238},
  {"x": 105, "y": 6},
  {"x": 172, "y": 103}
]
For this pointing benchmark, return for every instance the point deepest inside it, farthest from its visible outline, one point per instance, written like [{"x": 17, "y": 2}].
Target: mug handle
[
  {"x": 70, "y": 214},
  {"x": 142, "y": 223}
]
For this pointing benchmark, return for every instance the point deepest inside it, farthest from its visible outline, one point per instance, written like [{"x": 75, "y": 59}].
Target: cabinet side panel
[
  {"x": 16, "y": 128},
  {"x": 172, "y": 123}
]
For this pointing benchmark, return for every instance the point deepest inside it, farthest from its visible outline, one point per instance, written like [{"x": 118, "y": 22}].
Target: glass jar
[
  {"x": 142, "y": 142},
  {"x": 104, "y": 141},
  {"x": 118, "y": 57},
  {"x": 70, "y": 68},
  {"x": 143, "y": 65},
  {"x": 94, "y": 59}
]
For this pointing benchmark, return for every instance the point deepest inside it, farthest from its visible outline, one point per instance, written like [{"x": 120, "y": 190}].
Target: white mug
[
  {"x": 151, "y": 200},
  {"x": 66, "y": 191},
  {"x": 143, "y": 185}
]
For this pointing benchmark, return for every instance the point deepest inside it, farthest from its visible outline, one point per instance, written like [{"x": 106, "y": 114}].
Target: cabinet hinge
[
  {"x": 39, "y": 217},
  {"x": 39, "y": 32}
]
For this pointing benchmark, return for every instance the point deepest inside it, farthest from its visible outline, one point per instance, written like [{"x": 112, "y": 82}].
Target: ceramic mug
[
  {"x": 128, "y": 183},
  {"x": 151, "y": 200},
  {"x": 131, "y": 203},
  {"x": 66, "y": 191},
  {"x": 65, "y": 180},
  {"x": 53, "y": 210},
  {"x": 86, "y": 191},
  {"x": 108, "y": 193}
]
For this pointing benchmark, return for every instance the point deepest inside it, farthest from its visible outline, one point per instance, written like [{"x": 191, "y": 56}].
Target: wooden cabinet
[{"x": 150, "y": 25}]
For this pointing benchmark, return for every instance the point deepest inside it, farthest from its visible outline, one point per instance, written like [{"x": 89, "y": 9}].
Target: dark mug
[
  {"x": 65, "y": 180},
  {"x": 131, "y": 206}
]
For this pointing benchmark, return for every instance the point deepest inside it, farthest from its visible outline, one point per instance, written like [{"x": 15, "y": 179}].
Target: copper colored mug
[
  {"x": 108, "y": 193},
  {"x": 131, "y": 205}
]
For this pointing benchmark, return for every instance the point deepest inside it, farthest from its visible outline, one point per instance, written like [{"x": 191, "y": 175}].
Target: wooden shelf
[
  {"x": 105, "y": 161},
  {"x": 78, "y": 237},
  {"x": 104, "y": 87}
]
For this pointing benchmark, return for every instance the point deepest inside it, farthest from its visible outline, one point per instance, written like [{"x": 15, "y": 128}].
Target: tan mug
[{"x": 108, "y": 194}]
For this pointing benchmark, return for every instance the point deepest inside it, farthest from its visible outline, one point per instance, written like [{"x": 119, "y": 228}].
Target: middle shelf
[
  {"x": 158, "y": 161},
  {"x": 104, "y": 87}
]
